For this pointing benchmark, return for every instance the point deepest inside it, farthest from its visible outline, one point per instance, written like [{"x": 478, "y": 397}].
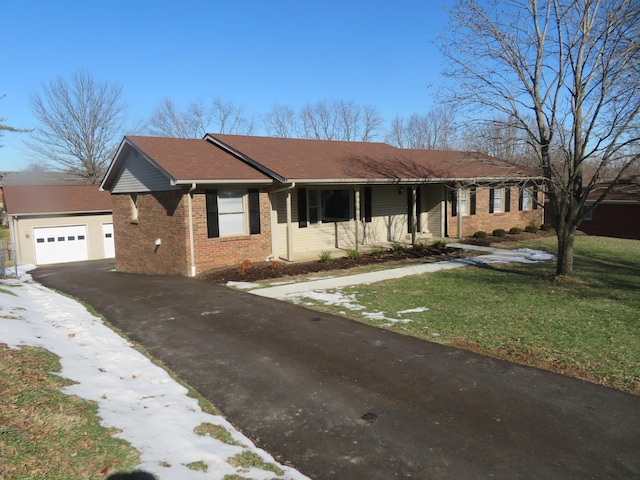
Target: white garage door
[
  {"x": 61, "y": 244},
  {"x": 107, "y": 238}
]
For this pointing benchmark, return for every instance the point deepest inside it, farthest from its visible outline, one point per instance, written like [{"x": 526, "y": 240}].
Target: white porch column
[
  {"x": 289, "y": 229},
  {"x": 414, "y": 214},
  {"x": 459, "y": 201},
  {"x": 358, "y": 219}
]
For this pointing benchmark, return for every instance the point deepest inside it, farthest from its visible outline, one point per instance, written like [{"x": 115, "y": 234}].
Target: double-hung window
[
  {"x": 496, "y": 201},
  {"x": 232, "y": 212},
  {"x": 527, "y": 199}
]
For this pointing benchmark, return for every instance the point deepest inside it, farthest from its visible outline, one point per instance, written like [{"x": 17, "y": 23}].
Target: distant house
[
  {"x": 619, "y": 214},
  {"x": 59, "y": 223},
  {"x": 185, "y": 206}
]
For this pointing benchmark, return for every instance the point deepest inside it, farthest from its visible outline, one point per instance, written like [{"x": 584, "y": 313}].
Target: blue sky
[{"x": 253, "y": 52}]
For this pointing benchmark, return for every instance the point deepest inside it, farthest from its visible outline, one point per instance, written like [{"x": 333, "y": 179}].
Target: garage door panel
[{"x": 61, "y": 244}]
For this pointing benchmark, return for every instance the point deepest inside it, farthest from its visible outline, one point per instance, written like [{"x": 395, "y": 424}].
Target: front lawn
[{"x": 587, "y": 327}]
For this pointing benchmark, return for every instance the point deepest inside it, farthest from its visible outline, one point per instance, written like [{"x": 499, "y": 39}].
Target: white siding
[
  {"x": 138, "y": 175},
  {"x": 433, "y": 198}
]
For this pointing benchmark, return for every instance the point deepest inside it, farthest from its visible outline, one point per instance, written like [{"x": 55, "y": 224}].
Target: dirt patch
[{"x": 253, "y": 272}]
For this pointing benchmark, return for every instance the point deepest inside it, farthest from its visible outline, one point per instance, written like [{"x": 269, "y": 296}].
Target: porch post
[
  {"x": 289, "y": 229},
  {"x": 357, "y": 212},
  {"x": 459, "y": 201},
  {"x": 414, "y": 215}
]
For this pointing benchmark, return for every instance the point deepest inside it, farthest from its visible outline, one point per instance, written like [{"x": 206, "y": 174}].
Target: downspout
[
  {"x": 274, "y": 223},
  {"x": 192, "y": 259}
]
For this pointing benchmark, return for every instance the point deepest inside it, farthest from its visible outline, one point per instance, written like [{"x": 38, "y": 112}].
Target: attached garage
[{"x": 59, "y": 223}]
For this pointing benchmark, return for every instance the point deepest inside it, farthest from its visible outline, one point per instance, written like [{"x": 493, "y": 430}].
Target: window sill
[{"x": 134, "y": 221}]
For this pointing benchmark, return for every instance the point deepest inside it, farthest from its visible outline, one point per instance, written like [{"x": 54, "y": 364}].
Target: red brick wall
[
  {"x": 211, "y": 253},
  {"x": 614, "y": 220},
  {"x": 161, "y": 215},
  {"x": 487, "y": 222}
]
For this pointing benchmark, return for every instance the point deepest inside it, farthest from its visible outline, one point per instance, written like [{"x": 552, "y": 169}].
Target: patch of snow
[
  {"x": 413, "y": 310},
  {"x": 152, "y": 411},
  {"x": 537, "y": 255},
  {"x": 337, "y": 298},
  {"x": 243, "y": 285}
]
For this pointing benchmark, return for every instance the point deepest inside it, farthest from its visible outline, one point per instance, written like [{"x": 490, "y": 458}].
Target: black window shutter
[
  {"x": 473, "y": 200},
  {"x": 491, "y": 199},
  {"x": 409, "y": 211},
  {"x": 418, "y": 207},
  {"x": 454, "y": 203},
  {"x": 535, "y": 197},
  {"x": 507, "y": 199},
  {"x": 302, "y": 207},
  {"x": 367, "y": 204},
  {"x": 521, "y": 198},
  {"x": 213, "y": 229},
  {"x": 254, "y": 211}
]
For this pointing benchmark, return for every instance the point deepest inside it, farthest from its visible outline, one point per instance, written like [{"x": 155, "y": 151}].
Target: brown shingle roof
[
  {"x": 194, "y": 159},
  {"x": 49, "y": 199},
  {"x": 626, "y": 190},
  {"x": 302, "y": 159}
]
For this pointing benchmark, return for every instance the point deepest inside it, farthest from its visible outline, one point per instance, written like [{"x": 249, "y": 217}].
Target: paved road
[{"x": 341, "y": 400}]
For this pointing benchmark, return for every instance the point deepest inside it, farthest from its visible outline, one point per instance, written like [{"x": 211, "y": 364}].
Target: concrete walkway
[{"x": 490, "y": 255}]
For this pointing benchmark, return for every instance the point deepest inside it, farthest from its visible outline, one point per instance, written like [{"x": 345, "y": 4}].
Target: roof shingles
[{"x": 50, "y": 199}]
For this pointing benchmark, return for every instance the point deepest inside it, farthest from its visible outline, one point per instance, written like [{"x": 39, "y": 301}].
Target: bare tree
[
  {"x": 7, "y": 128},
  {"x": 230, "y": 118},
  {"x": 566, "y": 71},
  {"x": 168, "y": 121},
  {"x": 281, "y": 121},
  {"x": 498, "y": 138},
  {"x": 80, "y": 124},
  {"x": 434, "y": 131},
  {"x": 341, "y": 120},
  {"x": 199, "y": 118}
]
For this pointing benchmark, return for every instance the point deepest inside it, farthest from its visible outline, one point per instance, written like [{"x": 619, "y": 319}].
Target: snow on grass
[{"x": 152, "y": 411}]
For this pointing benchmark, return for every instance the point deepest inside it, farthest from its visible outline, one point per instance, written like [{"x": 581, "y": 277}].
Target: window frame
[
  {"x": 497, "y": 203},
  {"x": 250, "y": 211}
]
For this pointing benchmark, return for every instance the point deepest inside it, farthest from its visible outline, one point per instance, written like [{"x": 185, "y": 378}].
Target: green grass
[
  {"x": 47, "y": 434},
  {"x": 4, "y": 233},
  {"x": 588, "y": 326}
]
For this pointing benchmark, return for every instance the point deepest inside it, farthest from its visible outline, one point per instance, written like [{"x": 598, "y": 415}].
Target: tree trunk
[{"x": 564, "y": 265}]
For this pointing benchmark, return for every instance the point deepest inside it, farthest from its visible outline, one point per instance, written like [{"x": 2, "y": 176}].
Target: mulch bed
[
  {"x": 268, "y": 270},
  {"x": 252, "y": 272}
]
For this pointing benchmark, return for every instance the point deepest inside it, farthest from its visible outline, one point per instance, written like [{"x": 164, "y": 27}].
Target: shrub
[
  {"x": 531, "y": 229},
  {"x": 546, "y": 227},
  {"x": 499, "y": 232},
  {"x": 480, "y": 234},
  {"x": 377, "y": 251},
  {"x": 353, "y": 254},
  {"x": 439, "y": 244},
  {"x": 325, "y": 256},
  {"x": 245, "y": 266},
  {"x": 515, "y": 231},
  {"x": 397, "y": 247},
  {"x": 276, "y": 265},
  {"x": 420, "y": 246}
]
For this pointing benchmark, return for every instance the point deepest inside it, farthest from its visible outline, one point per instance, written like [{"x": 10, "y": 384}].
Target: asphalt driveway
[{"x": 342, "y": 400}]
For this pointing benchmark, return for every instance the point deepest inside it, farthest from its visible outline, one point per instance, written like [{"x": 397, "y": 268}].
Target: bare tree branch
[
  {"x": 565, "y": 73},
  {"x": 80, "y": 124}
]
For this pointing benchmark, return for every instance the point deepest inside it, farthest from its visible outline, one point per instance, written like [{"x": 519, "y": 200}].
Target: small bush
[
  {"x": 439, "y": 244},
  {"x": 276, "y": 265},
  {"x": 531, "y": 229},
  {"x": 353, "y": 254},
  {"x": 420, "y": 246},
  {"x": 499, "y": 232},
  {"x": 480, "y": 234},
  {"x": 245, "y": 266},
  {"x": 515, "y": 231},
  {"x": 377, "y": 251},
  {"x": 546, "y": 227},
  {"x": 325, "y": 256},
  {"x": 397, "y": 247}
]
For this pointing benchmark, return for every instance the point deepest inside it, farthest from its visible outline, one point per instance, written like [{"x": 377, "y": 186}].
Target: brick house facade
[{"x": 185, "y": 206}]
